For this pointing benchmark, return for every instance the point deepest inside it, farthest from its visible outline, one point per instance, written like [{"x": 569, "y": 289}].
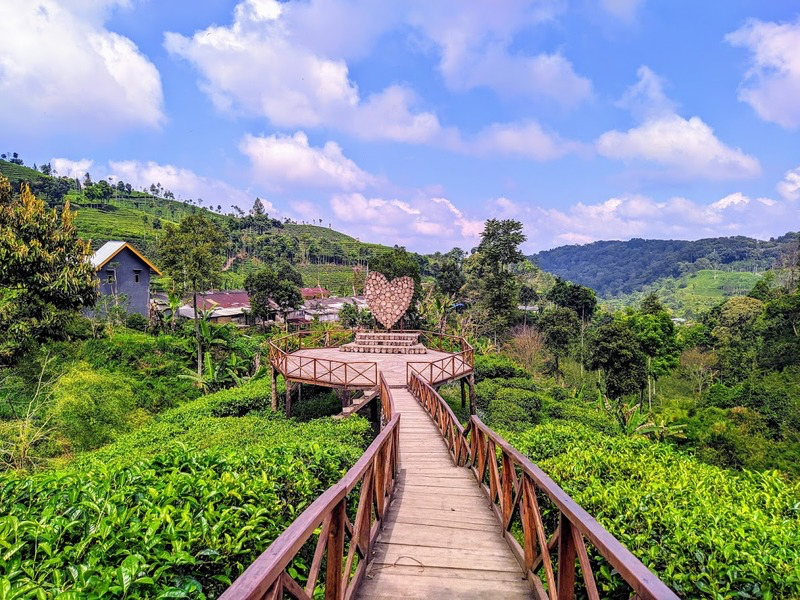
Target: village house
[
  {"x": 124, "y": 272},
  {"x": 314, "y": 293},
  {"x": 232, "y": 306}
]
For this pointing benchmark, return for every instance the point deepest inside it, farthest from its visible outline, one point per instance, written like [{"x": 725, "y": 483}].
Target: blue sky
[{"x": 412, "y": 122}]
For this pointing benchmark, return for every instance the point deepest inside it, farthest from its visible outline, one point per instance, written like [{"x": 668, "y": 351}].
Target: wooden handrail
[
  {"x": 350, "y": 374},
  {"x": 511, "y": 486},
  {"x": 343, "y": 545},
  {"x": 444, "y": 369},
  {"x": 345, "y": 374}
]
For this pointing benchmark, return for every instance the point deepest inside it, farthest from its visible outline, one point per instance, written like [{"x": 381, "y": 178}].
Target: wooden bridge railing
[
  {"x": 513, "y": 485},
  {"x": 460, "y": 362},
  {"x": 321, "y": 371},
  {"x": 343, "y": 548}
]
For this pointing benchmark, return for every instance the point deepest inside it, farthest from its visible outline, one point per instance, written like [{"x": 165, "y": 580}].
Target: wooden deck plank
[{"x": 439, "y": 539}]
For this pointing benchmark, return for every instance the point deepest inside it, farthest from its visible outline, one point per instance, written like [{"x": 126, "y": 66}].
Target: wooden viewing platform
[{"x": 441, "y": 511}]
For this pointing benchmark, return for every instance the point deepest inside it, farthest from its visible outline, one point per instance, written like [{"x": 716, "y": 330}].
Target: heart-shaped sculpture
[{"x": 388, "y": 300}]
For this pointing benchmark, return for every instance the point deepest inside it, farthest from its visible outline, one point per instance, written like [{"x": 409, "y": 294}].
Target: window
[
  {"x": 110, "y": 278},
  {"x": 136, "y": 278}
]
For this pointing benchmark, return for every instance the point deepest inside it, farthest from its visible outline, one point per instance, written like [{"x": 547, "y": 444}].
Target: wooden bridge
[{"x": 433, "y": 509}]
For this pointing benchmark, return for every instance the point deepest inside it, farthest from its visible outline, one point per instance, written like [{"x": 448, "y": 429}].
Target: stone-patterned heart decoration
[{"x": 388, "y": 300}]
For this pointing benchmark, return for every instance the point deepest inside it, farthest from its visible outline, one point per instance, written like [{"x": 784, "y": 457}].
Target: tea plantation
[{"x": 176, "y": 509}]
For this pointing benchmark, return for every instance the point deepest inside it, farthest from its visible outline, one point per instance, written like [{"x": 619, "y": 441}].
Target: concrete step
[
  {"x": 387, "y": 335},
  {"x": 384, "y": 342},
  {"x": 368, "y": 349}
]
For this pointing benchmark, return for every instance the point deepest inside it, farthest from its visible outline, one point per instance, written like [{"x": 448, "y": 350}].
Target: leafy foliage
[
  {"x": 612, "y": 267},
  {"x": 177, "y": 508},
  {"x": 45, "y": 273},
  {"x": 705, "y": 531}
]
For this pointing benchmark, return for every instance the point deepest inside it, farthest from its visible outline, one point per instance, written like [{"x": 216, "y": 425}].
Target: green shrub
[
  {"x": 92, "y": 407},
  {"x": 705, "y": 531},
  {"x": 136, "y": 321},
  {"x": 314, "y": 406},
  {"x": 513, "y": 409},
  {"x": 492, "y": 366},
  {"x": 184, "y": 523}
]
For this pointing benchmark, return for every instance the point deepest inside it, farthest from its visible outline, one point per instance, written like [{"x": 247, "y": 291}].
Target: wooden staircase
[{"x": 385, "y": 343}]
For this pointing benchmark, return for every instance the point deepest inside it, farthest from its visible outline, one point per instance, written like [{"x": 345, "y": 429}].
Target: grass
[
  {"x": 115, "y": 222},
  {"x": 17, "y": 173},
  {"x": 691, "y": 295},
  {"x": 334, "y": 278}
]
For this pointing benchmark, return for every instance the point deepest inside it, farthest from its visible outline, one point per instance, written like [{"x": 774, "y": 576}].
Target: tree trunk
[{"x": 197, "y": 335}]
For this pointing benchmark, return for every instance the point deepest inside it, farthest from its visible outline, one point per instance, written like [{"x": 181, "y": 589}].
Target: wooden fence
[
  {"x": 343, "y": 547},
  {"x": 347, "y": 374},
  {"x": 353, "y": 374},
  {"x": 514, "y": 486},
  {"x": 461, "y": 361}
]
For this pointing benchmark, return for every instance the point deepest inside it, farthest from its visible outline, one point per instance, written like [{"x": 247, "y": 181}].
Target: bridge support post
[
  {"x": 274, "y": 375},
  {"x": 463, "y": 393},
  {"x": 566, "y": 560},
  {"x": 373, "y": 409},
  {"x": 288, "y": 398},
  {"x": 472, "y": 400}
]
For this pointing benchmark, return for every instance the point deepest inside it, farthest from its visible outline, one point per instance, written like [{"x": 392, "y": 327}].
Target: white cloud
[
  {"x": 789, "y": 188},
  {"x": 184, "y": 183},
  {"x": 279, "y": 160},
  {"x": 65, "y": 167},
  {"x": 525, "y": 139},
  {"x": 624, "y": 10},
  {"x": 687, "y": 148},
  {"x": 267, "y": 63},
  {"x": 627, "y": 216},
  {"x": 60, "y": 69},
  {"x": 423, "y": 223},
  {"x": 474, "y": 40},
  {"x": 772, "y": 83},
  {"x": 646, "y": 98}
]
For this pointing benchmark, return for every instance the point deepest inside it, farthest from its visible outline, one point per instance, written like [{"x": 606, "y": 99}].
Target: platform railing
[
  {"x": 546, "y": 542},
  {"x": 459, "y": 363},
  {"x": 352, "y": 374},
  {"x": 343, "y": 547},
  {"x": 347, "y": 374}
]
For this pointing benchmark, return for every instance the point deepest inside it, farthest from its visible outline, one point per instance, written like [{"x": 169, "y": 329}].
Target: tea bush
[
  {"x": 133, "y": 519},
  {"x": 492, "y": 366},
  {"x": 181, "y": 524},
  {"x": 92, "y": 407},
  {"x": 707, "y": 532}
]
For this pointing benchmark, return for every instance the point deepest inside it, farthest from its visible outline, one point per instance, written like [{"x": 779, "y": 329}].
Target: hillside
[
  {"x": 612, "y": 268},
  {"x": 323, "y": 255},
  {"x": 16, "y": 173},
  {"x": 691, "y": 295}
]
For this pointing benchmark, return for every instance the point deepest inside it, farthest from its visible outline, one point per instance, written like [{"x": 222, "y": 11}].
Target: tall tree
[
  {"x": 45, "y": 273},
  {"x": 498, "y": 288},
  {"x": 278, "y": 284},
  {"x": 193, "y": 253},
  {"x": 580, "y": 299},
  {"x": 450, "y": 278},
  {"x": 614, "y": 349},
  {"x": 560, "y": 328}
]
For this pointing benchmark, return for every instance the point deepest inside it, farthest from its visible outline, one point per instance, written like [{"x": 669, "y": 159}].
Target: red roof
[
  {"x": 315, "y": 291},
  {"x": 234, "y": 299}
]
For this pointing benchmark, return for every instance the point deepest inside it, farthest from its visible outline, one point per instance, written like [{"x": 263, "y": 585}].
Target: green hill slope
[
  {"x": 691, "y": 295},
  {"x": 613, "y": 268},
  {"x": 16, "y": 173}
]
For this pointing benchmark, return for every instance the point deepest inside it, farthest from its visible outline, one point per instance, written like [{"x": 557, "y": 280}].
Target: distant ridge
[{"x": 613, "y": 267}]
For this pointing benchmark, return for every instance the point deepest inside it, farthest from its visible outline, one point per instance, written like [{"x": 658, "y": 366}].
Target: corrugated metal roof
[{"x": 105, "y": 252}]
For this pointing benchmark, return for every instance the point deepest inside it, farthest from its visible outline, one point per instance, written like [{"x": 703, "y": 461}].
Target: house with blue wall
[{"x": 122, "y": 269}]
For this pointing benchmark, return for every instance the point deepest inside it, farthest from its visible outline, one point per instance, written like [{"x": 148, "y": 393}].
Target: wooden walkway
[{"x": 440, "y": 538}]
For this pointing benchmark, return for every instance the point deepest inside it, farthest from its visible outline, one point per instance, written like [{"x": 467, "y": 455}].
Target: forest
[
  {"x": 612, "y": 268},
  {"x": 143, "y": 459}
]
